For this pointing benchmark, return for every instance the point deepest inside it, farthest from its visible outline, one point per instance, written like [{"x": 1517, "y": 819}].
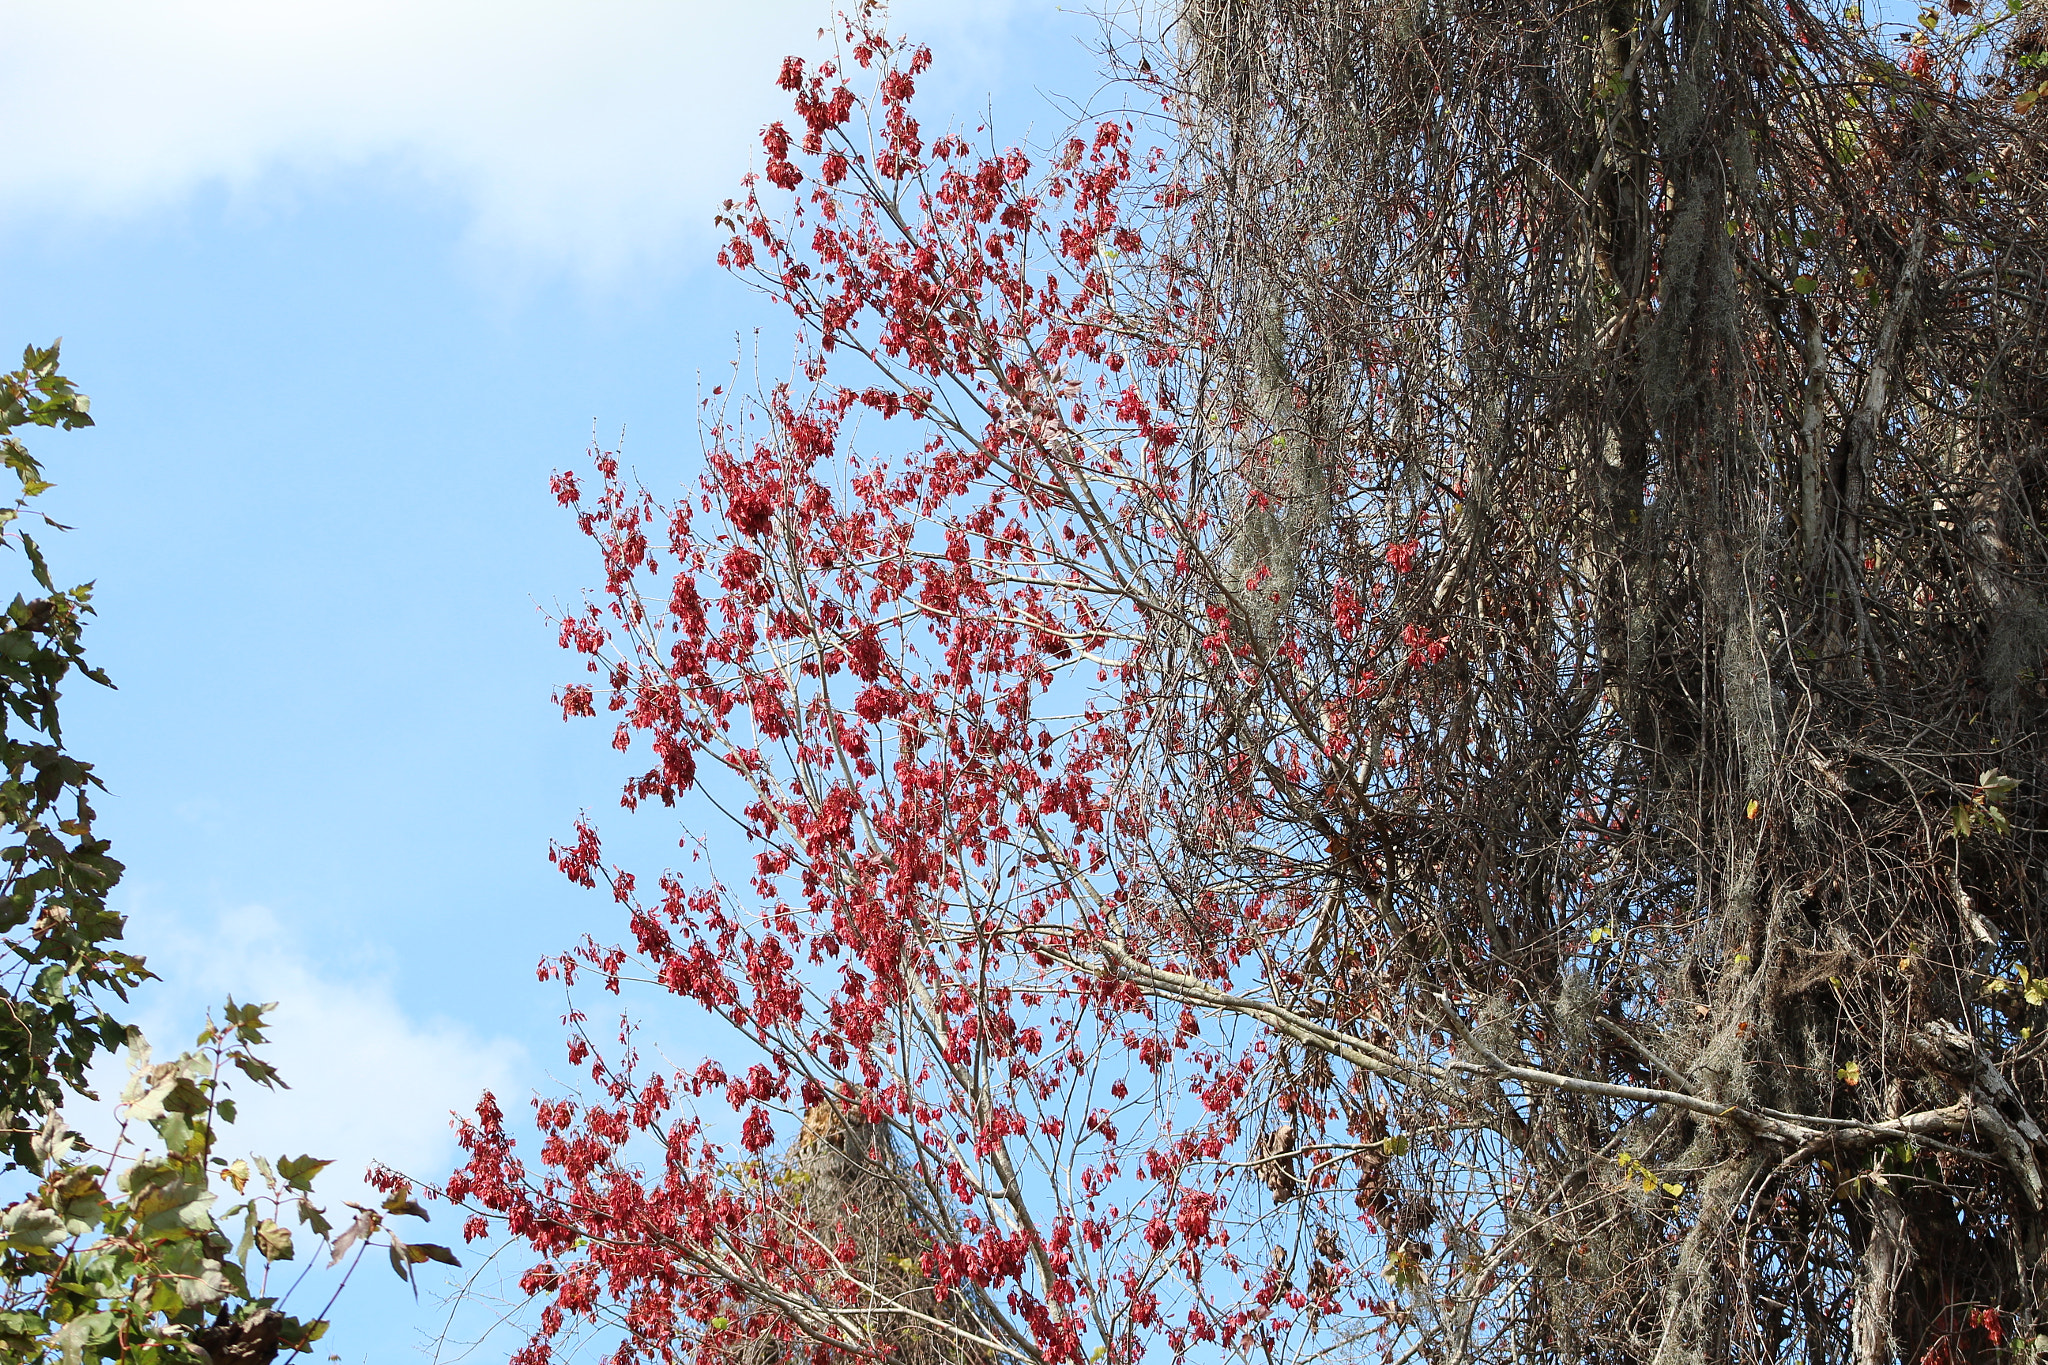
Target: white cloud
[
  {"x": 368, "y": 1082},
  {"x": 587, "y": 134}
]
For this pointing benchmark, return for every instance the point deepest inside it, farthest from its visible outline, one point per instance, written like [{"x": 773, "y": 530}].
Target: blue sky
[{"x": 345, "y": 283}]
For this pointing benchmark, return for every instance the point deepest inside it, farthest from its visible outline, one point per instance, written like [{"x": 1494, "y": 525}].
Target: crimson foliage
[{"x": 1414, "y": 731}]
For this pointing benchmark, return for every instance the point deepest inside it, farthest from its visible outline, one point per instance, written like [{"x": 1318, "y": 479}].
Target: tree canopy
[
  {"x": 1408, "y": 728},
  {"x": 64, "y": 967}
]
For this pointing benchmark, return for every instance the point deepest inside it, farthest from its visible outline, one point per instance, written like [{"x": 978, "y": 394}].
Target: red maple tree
[
  {"x": 934, "y": 631},
  {"x": 1371, "y": 737}
]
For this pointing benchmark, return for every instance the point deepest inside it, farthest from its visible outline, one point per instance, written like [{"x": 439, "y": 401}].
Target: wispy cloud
[
  {"x": 590, "y": 136},
  {"x": 368, "y": 1080}
]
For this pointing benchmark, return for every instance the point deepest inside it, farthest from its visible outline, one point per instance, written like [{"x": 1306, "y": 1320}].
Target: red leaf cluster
[{"x": 929, "y": 681}]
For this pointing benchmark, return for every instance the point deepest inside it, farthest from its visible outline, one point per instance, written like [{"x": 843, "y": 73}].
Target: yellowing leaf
[
  {"x": 1852, "y": 1073},
  {"x": 274, "y": 1240},
  {"x": 29, "y": 1224}
]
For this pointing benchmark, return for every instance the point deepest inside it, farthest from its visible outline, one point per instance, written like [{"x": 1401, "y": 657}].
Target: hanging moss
[{"x": 1683, "y": 355}]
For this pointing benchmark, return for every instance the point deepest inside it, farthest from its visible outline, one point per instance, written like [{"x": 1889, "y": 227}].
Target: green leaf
[
  {"x": 163, "y": 1297},
  {"x": 172, "y": 1203},
  {"x": 31, "y": 1226},
  {"x": 161, "y": 1090},
  {"x": 298, "y": 1172},
  {"x": 300, "y": 1336},
  {"x": 409, "y": 1207},
  {"x": 420, "y": 1252},
  {"x": 311, "y": 1216},
  {"x": 176, "y": 1131},
  {"x": 22, "y": 1327},
  {"x": 80, "y": 1201},
  {"x": 81, "y": 1333},
  {"x": 195, "y": 1278},
  {"x": 55, "y": 1142},
  {"x": 247, "y": 1020},
  {"x": 258, "y": 1070},
  {"x": 1805, "y": 284}
]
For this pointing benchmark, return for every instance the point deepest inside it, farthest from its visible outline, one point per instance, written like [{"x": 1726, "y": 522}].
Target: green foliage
[
  {"x": 36, "y": 395},
  {"x": 1985, "y": 807},
  {"x": 124, "y": 1255},
  {"x": 161, "y": 1250},
  {"x": 55, "y": 875}
]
